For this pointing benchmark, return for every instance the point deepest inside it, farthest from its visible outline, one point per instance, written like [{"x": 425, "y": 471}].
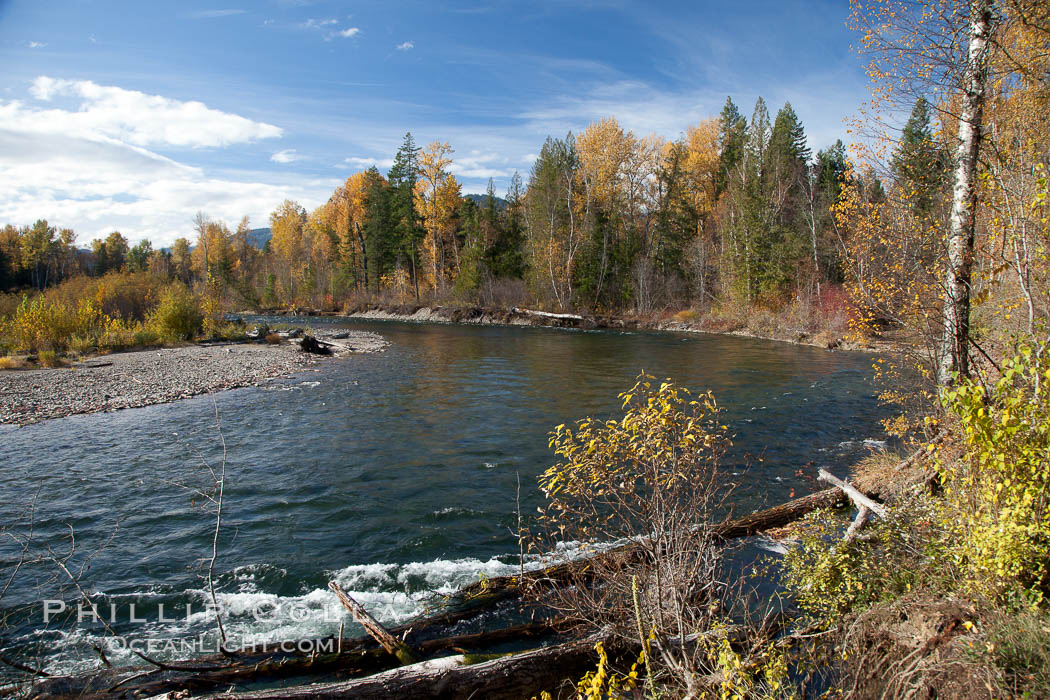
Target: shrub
[
  {"x": 650, "y": 478},
  {"x": 910, "y": 549},
  {"x": 686, "y": 316},
  {"x": 9, "y": 362},
  {"x": 997, "y": 495},
  {"x": 40, "y": 324},
  {"x": 48, "y": 358},
  {"x": 178, "y": 315},
  {"x": 145, "y": 337},
  {"x": 82, "y": 344},
  {"x": 117, "y": 335}
]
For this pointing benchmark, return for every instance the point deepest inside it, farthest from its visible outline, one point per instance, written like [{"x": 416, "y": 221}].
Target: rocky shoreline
[
  {"x": 147, "y": 377},
  {"x": 474, "y": 315}
]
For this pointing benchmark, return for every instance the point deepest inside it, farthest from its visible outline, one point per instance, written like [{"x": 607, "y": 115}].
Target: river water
[{"x": 396, "y": 474}]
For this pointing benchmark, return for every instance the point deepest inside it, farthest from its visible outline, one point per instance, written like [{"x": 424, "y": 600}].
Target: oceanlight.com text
[{"x": 131, "y": 614}]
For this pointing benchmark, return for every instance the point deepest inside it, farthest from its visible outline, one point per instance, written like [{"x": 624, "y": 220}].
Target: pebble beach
[{"x": 146, "y": 377}]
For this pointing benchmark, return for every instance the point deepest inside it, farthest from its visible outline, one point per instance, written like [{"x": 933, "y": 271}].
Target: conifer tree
[
  {"x": 381, "y": 227},
  {"x": 409, "y": 230},
  {"x": 732, "y": 129},
  {"x": 919, "y": 165}
]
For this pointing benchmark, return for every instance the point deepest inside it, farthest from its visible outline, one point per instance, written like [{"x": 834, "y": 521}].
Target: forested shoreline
[{"x": 732, "y": 217}]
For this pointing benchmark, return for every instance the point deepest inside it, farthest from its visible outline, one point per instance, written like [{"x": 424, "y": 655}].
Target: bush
[
  {"x": 39, "y": 324},
  {"x": 82, "y": 344},
  {"x": 829, "y": 578},
  {"x": 686, "y": 316},
  {"x": 997, "y": 496},
  {"x": 48, "y": 358},
  {"x": 650, "y": 478},
  {"x": 9, "y": 362},
  {"x": 145, "y": 337},
  {"x": 178, "y": 316}
]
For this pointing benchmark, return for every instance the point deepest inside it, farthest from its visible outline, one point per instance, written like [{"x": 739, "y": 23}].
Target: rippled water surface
[{"x": 395, "y": 473}]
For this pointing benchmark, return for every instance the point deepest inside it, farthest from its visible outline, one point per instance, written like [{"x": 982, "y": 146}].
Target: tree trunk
[
  {"x": 364, "y": 252},
  {"x": 519, "y": 676},
  {"x": 954, "y": 351},
  {"x": 393, "y": 645}
]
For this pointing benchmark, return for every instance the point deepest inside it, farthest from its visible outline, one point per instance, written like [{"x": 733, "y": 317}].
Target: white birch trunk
[{"x": 954, "y": 351}]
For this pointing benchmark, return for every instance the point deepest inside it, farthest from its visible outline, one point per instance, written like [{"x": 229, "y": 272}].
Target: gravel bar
[{"x": 146, "y": 377}]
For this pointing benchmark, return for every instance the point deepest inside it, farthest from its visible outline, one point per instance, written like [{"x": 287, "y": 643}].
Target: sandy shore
[{"x": 143, "y": 378}]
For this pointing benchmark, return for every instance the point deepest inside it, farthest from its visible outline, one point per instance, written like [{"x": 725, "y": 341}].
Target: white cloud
[
  {"x": 288, "y": 155},
  {"x": 327, "y": 28},
  {"x": 79, "y": 166},
  {"x": 480, "y": 165},
  {"x": 215, "y": 14},
  {"x": 645, "y": 109},
  {"x": 318, "y": 23},
  {"x": 407, "y": 46},
  {"x": 133, "y": 117},
  {"x": 365, "y": 163},
  {"x": 37, "y": 44}
]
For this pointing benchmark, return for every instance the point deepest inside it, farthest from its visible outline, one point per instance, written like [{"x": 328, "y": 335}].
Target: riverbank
[
  {"x": 147, "y": 377},
  {"x": 476, "y": 315}
]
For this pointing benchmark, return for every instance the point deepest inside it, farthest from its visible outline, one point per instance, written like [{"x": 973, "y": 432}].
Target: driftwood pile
[{"x": 427, "y": 658}]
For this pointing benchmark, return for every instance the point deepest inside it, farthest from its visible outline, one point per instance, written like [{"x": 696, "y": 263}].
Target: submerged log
[
  {"x": 501, "y": 587},
  {"x": 393, "y": 645}
]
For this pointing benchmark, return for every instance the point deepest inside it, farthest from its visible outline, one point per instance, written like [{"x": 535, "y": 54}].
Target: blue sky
[{"x": 133, "y": 116}]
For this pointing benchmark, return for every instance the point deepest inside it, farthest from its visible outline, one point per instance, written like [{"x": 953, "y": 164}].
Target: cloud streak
[
  {"x": 215, "y": 14},
  {"x": 327, "y": 28},
  {"x": 288, "y": 155},
  {"x": 131, "y": 116},
  {"x": 365, "y": 163}
]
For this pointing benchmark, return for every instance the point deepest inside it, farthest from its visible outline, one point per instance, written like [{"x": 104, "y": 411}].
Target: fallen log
[
  {"x": 546, "y": 314},
  {"x": 510, "y": 677},
  {"x": 357, "y": 657},
  {"x": 854, "y": 494},
  {"x": 312, "y": 345},
  {"x": 501, "y": 587},
  {"x": 92, "y": 364},
  {"x": 507, "y": 678},
  {"x": 858, "y": 524},
  {"x": 780, "y": 515},
  {"x": 393, "y": 645}
]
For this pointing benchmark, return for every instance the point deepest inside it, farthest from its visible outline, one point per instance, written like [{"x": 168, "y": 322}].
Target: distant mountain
[
  {"x": 482, "y": 201},
  {"x": 258, "y": 237}
]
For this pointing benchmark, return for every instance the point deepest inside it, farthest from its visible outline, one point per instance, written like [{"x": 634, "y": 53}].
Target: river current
[{"x": 396, "y": 474}]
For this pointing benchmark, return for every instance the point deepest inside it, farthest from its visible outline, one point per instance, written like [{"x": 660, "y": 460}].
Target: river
[{"x": 397, "y": 474}]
